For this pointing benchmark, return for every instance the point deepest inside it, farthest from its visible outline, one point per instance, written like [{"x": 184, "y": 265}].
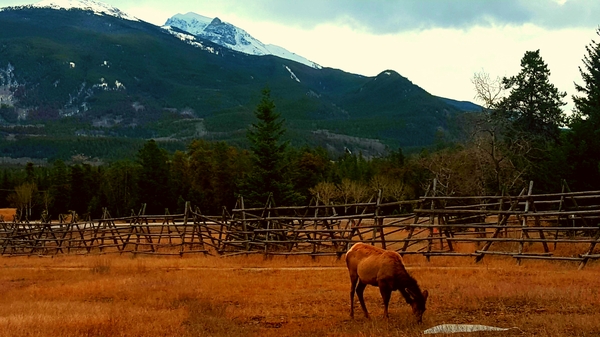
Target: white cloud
[{"x": 442, "y": 61}]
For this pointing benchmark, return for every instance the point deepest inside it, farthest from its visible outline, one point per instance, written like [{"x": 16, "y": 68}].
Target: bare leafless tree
[
  {"x": 352, "y": 191},
  {"x": 497, "y": 156},
  {"x": 392, "y": 189},
  {"x": 325, "y": 192},
  {"x": 23, "y": 199},
  {"x": 487, "y": 90}
]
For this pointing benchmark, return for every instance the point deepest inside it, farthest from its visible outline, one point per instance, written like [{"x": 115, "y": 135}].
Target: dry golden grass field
[{"x": 112, "y": 295}]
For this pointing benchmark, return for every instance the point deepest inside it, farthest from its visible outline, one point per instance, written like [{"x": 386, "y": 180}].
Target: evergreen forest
[{"x": 521, "y": 135}]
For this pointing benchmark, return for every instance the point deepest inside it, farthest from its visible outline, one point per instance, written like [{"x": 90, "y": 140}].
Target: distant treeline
[{"x": 211, "y": 175}]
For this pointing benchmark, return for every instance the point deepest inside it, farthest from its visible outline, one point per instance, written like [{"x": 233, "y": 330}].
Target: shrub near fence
[{"x": 562, "y": 226}]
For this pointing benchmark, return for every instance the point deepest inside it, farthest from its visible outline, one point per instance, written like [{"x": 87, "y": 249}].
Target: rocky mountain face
[
  {"x": 230, "y": 36},
  {"x": 191, "y": 22}
]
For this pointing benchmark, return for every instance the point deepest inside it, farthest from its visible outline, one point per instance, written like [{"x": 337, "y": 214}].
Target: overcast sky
[{"x": 437, "y": 44}]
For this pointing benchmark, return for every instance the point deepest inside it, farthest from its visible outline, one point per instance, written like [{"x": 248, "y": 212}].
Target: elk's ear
[{"x": 425, "y": 294}]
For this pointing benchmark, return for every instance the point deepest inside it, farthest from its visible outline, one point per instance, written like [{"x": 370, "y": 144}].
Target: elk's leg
[
  {"x": 360, "y": 288},
  {"x": 386, "y": 294},
  {"x": 353, "y": 280}
]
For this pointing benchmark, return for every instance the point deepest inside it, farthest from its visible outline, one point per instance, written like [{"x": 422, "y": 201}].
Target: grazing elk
[{"x": 369, "y": 265}]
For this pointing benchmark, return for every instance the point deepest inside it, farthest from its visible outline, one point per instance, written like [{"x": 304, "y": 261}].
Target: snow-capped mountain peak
[
  {"x": 230, "y": 36},
  {"x": 191, "y": 22},
  {"x": 97, "y": 7}
]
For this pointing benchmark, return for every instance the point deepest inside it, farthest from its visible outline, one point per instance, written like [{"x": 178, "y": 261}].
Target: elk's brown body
[{"x": 370, "y": 265}]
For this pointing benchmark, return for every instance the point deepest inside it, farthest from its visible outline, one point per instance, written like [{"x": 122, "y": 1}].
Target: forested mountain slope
[{"x": 70, "y": 75}]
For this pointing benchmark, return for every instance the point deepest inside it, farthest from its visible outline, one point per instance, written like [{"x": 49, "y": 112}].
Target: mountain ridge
[
  {"x": 98, "y": 79},
  {"x": 99, "y": 8},
  {"x": 230, "y": 36}
]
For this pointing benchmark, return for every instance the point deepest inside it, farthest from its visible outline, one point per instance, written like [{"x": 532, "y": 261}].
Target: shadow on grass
[
  {"x": 206, "y": 318},
  {"x": 100, "y": 265}
]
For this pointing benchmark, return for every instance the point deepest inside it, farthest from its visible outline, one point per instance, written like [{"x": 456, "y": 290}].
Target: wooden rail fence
[{"x": 562, "y": 226}]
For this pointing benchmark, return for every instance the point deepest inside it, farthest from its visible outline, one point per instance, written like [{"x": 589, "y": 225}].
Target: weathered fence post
[
  {"x": 186, "y": 212},
  {"x": 244, "y": 225},
  {"x": 379, "y": 221},
  {"x": 431, "y": 221},
  {"x": 502, "y": 219},
  {"x": 524, "y": 221},
  {"x": 586, "y": 256}
]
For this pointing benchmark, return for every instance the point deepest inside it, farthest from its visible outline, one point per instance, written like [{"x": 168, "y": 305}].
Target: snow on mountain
[
  {"x": 284, "y": 53},
  {"x": 189, "y": 39},
  {"x": 230, "y": 36},
  {"x": 97, "y": 7},
  {"x": 215, "y": 30},
  {"x": 191, "y": 22}
]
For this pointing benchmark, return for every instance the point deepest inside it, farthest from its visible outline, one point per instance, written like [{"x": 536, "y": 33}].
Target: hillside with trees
[
  {"x": 521, "y": 135},
  {"x": 63, "y": 94}
]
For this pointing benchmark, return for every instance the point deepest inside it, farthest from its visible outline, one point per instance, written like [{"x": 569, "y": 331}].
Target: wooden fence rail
[{"x": 562, "y": 226}]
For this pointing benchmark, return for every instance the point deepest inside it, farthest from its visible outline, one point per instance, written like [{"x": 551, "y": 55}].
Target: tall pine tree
[
  {"x": 533, "y": 106},
  {"x": 584, "y": 140},
  {"x": 153, "y": 185},
  {"x": 269, "y": 174},
  {"x": 531, "y": 116}
]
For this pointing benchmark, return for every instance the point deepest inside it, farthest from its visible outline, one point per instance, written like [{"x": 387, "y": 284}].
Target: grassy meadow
[{"x": 113, "y": 295}]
